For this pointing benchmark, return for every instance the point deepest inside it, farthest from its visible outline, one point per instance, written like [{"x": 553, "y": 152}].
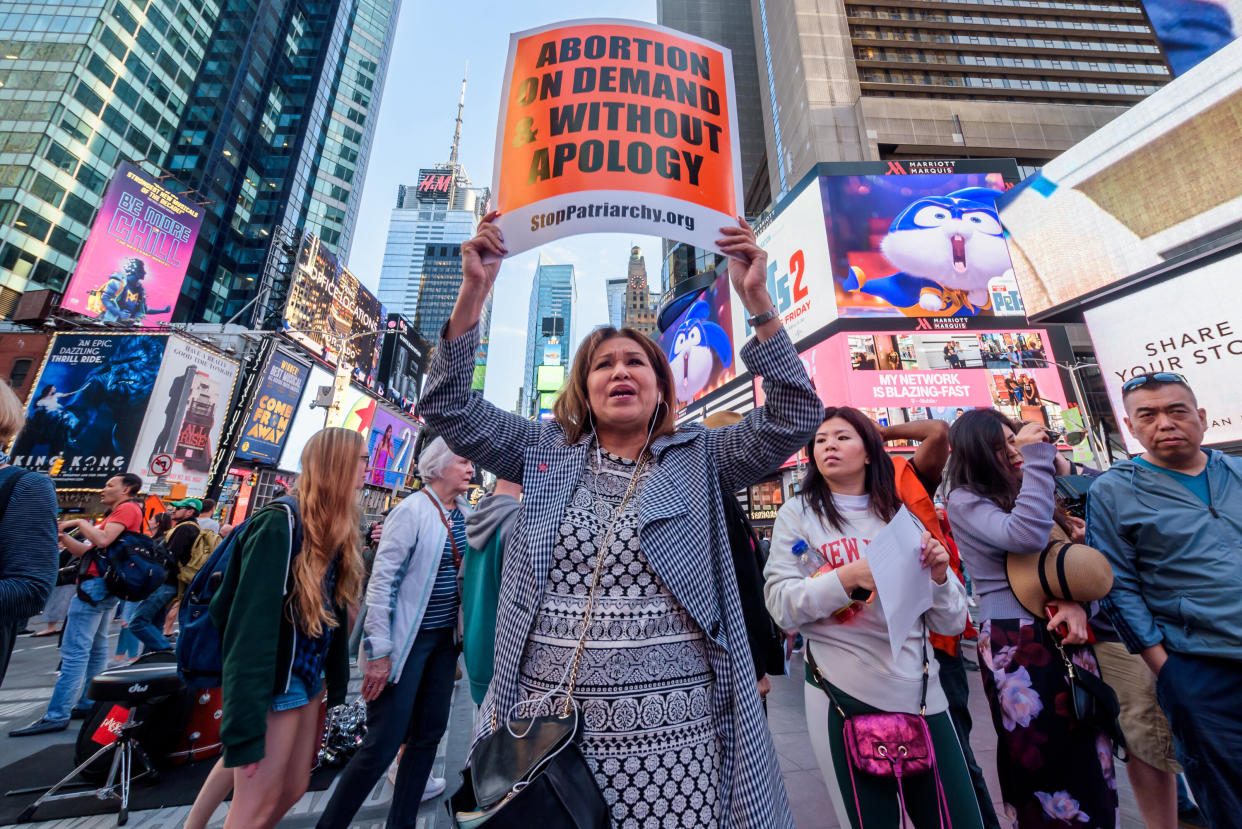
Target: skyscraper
[
  {"x": 639, "y": 308},
  {"x": 441, "y": 209},
  {"x": 553, "y": 297},
  {"x": 82, "y": 87},
  {"x": 861, "y": 80},
  {"x": 276, "y": 139},
  {"x": 615, "y": 289},
  {"x": 893, "y": 79},
  {"x": 263, "y": 112}
]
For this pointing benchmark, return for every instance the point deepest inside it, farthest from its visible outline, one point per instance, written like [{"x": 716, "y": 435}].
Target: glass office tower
[
  {"x": 553, "y": 295},
  {"x": 83, "y": 86}
]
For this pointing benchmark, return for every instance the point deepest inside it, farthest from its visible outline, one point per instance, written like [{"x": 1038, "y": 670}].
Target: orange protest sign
[{"x": 616, "y": 126}]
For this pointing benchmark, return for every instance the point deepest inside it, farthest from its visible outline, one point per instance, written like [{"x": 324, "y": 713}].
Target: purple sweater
[{"x": 985, "y": 533}]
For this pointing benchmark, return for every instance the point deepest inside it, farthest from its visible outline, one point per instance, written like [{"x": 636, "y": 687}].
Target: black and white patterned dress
[{"x": 644, "y": 684}]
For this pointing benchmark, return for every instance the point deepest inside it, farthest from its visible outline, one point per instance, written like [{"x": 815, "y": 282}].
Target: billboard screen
[
  {"x": 699, "y": 345},
  {"x": 549, "y": 378},
  {"x": 134, "y": 259},
  {"x": 307, "y": 420},
  {"x": 1077, "y": 228},
  {"x": 937, "y": 374},
  {"x": 181, "y": 431},
  {"x": 268, "y": 424},
  {"x": 926, "y": 244},
  {"x": 391, "y": 443},
  {"x": 799, "y": 268},
  {"x": 85, "y": 409},
  {"x": 327, "y": 303},
  {"x": 1191, "y": 30},
  {"x": 1191, "y": 325}
]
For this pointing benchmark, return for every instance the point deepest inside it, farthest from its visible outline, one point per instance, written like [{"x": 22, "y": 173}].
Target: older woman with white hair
[{"x": 410, "y": 646}]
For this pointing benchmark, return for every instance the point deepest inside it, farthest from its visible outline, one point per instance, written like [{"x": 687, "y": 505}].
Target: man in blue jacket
[{"x": 1170, "y": 522}]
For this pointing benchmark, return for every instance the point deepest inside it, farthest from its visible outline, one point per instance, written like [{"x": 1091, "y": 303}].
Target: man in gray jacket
[{"x": 1170, "y": 522}]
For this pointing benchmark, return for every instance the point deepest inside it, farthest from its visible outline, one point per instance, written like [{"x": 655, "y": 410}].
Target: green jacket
[{"x": 257, "y": 638}]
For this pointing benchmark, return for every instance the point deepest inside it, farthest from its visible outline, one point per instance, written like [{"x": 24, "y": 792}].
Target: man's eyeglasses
[{"x": 1140, "y": 380}]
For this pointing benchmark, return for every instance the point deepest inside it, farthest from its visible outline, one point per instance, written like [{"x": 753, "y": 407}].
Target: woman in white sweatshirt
[{"x": 816, "y": 577}]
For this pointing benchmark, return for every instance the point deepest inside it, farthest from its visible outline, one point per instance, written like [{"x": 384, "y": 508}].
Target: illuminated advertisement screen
[
  {"x": 549, "y": 378},
  {"x": 698, "y": 345},
  {"x": 391, "y": 444},
  {"x": 919, "y": 244},
  {"x": 86, "y": 407},
  {"x": 270, "y": 417},
  {"x": 1191, "y": 325},
  {"x": 134, "y": 261},
  {"x": 939, "y": 374},
  {"x": 799, "y": 268},
  {"x": 329, "y": 310},
  {"x": 547, "y": 400},
  {"x": 1191, "y": 30},
  {"x": 1077, "y": 227}
]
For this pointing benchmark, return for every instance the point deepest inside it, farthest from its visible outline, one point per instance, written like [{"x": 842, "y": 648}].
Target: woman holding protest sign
[{"x": 609, "y": 530}]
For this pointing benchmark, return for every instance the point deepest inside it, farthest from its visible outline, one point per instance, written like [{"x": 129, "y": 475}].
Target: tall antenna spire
[{"x": 461, "y": 104}]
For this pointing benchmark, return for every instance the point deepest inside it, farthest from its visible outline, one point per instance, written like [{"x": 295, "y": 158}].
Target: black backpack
[{"x": 135, "y": 565}]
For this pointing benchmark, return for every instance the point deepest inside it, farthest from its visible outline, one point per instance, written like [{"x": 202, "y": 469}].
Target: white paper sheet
[{"x": 904, "y": 587}]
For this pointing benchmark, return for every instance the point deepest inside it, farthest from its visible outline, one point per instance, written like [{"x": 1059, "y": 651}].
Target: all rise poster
[
  {"x": 81, "y": 424},
  {"x": 181, "y": 430}
]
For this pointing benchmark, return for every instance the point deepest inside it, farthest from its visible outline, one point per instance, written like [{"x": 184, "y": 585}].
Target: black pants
[
  {"x": 957, "y": 690},
  {"x": 413, "y": 711},
  {"x": 1202, "y": 697},
  {"x": 8, "y": 638}
]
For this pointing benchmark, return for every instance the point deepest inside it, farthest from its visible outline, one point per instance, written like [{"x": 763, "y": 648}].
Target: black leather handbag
[{"x": 1094, "y": 702}]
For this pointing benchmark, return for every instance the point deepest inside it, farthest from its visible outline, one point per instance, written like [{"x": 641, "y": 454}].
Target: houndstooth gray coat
[{"x": 682, "y": 532}]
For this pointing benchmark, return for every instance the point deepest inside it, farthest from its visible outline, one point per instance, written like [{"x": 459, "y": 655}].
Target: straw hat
[{"x": 1063, "y": 570}]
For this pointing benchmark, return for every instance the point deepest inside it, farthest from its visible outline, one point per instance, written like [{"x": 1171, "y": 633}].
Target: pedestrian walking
[
  {"x": 28, "y": 554},
  {"x": 147, "y": 622},
  {"x": 1170, "y": 523},
  {"x": 84, "y": 646},
  {"x": 282, "y": 614},
  {"x": 410, "y": 646},
  {"x": 666, "y": 683},
  {"x": 487, "y": 534},
  {"x": 817, "y": 573},
  {"x": 1002, "y": 500}
]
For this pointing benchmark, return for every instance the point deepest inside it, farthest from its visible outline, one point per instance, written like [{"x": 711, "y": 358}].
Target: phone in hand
[{"x": 1061, "y": 629}]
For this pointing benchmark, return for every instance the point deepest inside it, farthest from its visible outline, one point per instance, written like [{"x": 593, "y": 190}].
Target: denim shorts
[{"x": 297, "y": 695}]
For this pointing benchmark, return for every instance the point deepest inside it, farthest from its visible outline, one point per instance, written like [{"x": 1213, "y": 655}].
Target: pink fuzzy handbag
[{"x": 893, "y": 745}]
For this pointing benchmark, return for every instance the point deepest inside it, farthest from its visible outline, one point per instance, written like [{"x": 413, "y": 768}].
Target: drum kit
[{"x": 145, "y": 718}]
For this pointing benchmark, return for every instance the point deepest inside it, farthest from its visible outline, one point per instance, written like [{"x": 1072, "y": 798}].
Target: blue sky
[{"x": 415, "y": 129}]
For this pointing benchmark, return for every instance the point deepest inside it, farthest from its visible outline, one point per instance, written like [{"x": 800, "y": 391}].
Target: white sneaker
[{"x": 435, "y": 788}]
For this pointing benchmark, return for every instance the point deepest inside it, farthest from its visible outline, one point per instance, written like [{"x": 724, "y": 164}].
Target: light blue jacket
[
  {"x": 402, "y": 577},
  {"x": 1177, "y": 563}
]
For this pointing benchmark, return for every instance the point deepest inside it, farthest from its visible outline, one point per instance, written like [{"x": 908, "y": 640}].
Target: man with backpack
[
  {"x": 84, "y": 648},
  {"x": 188, "y": 546}
]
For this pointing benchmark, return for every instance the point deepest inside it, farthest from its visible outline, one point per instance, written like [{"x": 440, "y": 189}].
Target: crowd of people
[{"x": 612, "y": 574}]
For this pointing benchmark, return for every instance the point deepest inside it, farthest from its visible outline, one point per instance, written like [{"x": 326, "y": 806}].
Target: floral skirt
[{"x": 1053, "y": 771}]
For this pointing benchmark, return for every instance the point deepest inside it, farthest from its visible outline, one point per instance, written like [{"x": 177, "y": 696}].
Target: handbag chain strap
[{"x": 601, "y": 552}]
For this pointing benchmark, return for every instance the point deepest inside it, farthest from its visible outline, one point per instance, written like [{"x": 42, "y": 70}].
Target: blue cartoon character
[
  {"x": 946, "y": 250},
  {"x": 696, "y": 345}
]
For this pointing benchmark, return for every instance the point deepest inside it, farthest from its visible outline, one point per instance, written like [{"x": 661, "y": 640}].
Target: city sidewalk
[{"x": 32, "y": 672}]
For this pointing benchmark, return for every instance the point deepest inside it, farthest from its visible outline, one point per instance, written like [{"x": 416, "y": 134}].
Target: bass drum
[{"x": 200, "y": 737}]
